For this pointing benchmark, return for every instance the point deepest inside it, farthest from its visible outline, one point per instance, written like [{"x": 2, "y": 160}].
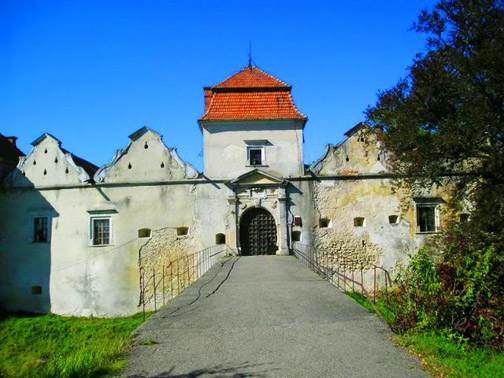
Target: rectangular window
[
  {"x": 40, "y": 229},
  {"x": 427, "y": 219},
  {"x": 255, "y": 156},
  {"x": 101, "y": 231}
]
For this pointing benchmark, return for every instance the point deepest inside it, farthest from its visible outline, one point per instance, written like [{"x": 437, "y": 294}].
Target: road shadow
[
  {"x": 175, "y": 311},
  {"x": 218, "y": 371}
]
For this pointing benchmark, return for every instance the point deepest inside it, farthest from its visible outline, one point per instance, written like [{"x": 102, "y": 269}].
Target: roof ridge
[{"x": 280, "y": 83}]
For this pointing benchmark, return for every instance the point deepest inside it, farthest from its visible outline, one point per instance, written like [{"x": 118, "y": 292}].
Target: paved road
[{"x": 266, "y": 316}]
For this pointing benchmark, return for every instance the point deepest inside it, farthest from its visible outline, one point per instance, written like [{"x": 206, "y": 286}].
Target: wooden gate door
[{"x": 258, "y": 233}]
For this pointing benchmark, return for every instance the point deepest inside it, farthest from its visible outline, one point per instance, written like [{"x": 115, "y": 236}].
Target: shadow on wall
[{"x": 26, "y": 234}]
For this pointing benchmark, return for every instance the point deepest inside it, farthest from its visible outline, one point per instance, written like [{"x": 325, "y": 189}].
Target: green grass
[
  {"x": 57, "y": 346},
  {"x": 441, "y": 356},
  {"x": 363, "y": 301},
  {"x": 360, "y": 299},
  {"x": 446, "y": 358}
]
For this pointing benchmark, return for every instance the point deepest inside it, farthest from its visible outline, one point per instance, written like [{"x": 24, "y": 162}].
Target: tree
[
  {"x": 445, "y": 122},
  {"x": 447, "y": 115}
]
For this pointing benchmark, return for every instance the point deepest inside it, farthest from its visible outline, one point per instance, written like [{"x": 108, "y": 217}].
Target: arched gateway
[{"x": 258, "y": 233}]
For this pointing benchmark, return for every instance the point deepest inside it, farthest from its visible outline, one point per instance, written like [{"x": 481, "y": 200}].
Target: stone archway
[{"x": 258, "y": 233}]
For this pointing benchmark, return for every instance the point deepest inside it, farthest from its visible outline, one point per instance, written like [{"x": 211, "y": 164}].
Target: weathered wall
[
  {"x": 350, "y": 187},
  {"x": 377, "y": 241},
  {"x": 147, "y": 186}
]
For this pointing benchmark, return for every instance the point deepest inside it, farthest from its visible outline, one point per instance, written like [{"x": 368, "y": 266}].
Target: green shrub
[{"x": 457, "y": 293}]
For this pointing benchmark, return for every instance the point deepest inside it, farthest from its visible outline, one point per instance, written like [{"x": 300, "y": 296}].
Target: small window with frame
[
  {"x": 40, "y": 227},
  {"x": 255, "y": 155},
  {"x": 41, "y": 232},
  {"x": 101, "y": 231},
  {"x": 427, "y": 218}
]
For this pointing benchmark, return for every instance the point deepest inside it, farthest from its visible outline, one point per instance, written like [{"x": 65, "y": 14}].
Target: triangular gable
[
  {"x": 43, "y": 137},
  {"x": 257, "y": 177},
  {"x": 140, "y": 132},
  {"x": 252, "y": 77}
]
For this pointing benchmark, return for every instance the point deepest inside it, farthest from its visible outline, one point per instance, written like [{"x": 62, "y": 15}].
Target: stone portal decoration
[{"x": 257, "y": 201}]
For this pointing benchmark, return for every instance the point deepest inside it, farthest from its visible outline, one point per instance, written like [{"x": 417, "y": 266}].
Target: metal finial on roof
[{"x": 250, "y": 54}]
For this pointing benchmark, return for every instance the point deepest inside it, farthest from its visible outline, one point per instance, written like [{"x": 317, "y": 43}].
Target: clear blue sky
[{"x": 92, "y": 72}]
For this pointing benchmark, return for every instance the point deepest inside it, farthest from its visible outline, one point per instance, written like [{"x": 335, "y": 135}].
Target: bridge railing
[
  {"x": 346, "y": 273},
  {"x": 167, "y": 279}
]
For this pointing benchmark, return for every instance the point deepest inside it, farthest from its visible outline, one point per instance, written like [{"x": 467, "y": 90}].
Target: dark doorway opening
[{"x": 258, "y": 233}]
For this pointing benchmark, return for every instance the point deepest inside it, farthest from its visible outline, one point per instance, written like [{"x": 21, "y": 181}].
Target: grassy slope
[
  {"x": 56, "y": 346},
  {"x": 446, "y": 358},
  {"x": 443, "y": 357}
]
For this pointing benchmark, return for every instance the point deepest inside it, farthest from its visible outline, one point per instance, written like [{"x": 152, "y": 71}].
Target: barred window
[{"x": 40, "y": 229}]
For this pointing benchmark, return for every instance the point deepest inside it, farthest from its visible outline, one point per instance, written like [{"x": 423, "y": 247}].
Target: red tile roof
[
  {"x": 252, "y": 105},
  {"x": 251, "y": 94}
]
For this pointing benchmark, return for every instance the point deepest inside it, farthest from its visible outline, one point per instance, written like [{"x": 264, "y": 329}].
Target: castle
[{"x": 71, "y": 233}]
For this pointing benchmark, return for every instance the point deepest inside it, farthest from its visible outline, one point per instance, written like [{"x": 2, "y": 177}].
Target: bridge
[{"x": 265, "y": 316}]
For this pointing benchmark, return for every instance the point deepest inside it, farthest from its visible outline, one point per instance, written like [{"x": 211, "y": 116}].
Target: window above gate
[
  {"x": 255, "y": 156},
  {"x": 256, "y": 152}
]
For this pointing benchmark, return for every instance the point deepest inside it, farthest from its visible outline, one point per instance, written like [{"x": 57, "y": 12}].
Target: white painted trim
[
  {"x": 263, "y": 155},
  {"x": 92, "y": 218}
]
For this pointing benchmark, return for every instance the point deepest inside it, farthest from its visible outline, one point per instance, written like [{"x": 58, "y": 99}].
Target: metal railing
[
  {"x": 167, "y": 279},
  {"x": 346, "y": 273}
]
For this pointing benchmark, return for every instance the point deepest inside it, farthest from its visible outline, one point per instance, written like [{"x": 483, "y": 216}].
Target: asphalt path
[{"x": 265, "y": 316}]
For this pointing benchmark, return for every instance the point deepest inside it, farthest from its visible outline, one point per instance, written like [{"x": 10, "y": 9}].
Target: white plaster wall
[
  {"x": 300, "y": 203},
  {"x": 81, "y": 279},
  {"x": 211, "y": 214},
  {"x": 76, "y": 278},
  {"x": 225, "y": 152}
]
